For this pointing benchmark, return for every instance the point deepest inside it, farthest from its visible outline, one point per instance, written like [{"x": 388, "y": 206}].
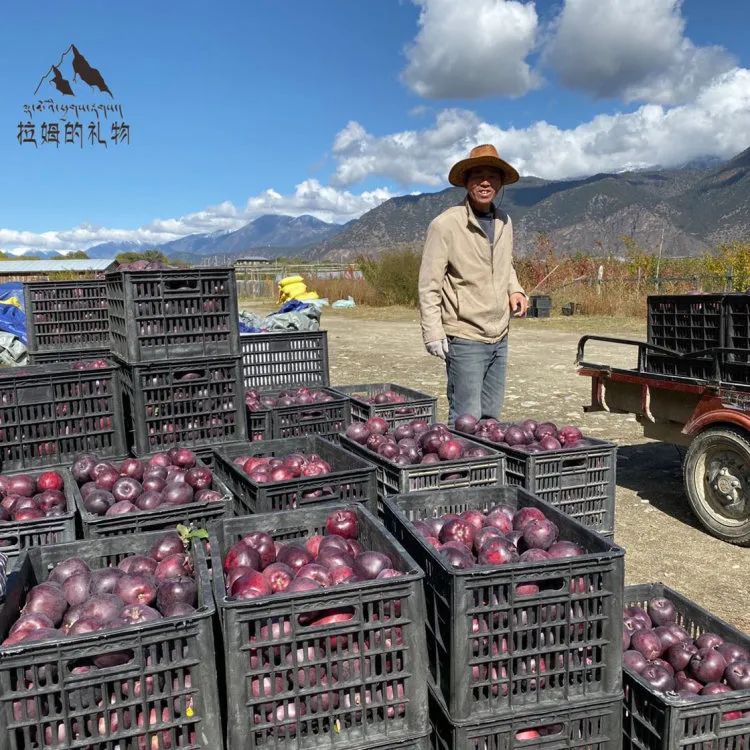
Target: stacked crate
[
  {"x": 356, "y": 682},
  {"x": 513, "y": 665},
  {"x": 66, "y": 321},
  {"x": 686, "y": 324},
  {"x": 707, "y": 335},
  {"x": 278, "y": 361},
  {"x": 150, "y": 684},
  {"x": 175, "y": 333}
]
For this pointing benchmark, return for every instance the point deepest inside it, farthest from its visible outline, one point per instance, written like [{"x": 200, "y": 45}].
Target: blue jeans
[{"x": 476, "y": 378}]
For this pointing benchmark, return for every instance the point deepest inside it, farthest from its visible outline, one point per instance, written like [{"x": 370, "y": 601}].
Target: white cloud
[
  {"x": 472, "y": 49},
  {"x": 310, "y": 197},
  {"x": 635, "y": 50},
  {"x": 716, "y": 123}
]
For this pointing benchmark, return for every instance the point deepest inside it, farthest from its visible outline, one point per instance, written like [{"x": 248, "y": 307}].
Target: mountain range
[{"x": 685, "y": 211}]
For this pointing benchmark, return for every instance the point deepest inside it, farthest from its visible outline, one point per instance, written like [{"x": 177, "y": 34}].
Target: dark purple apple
[
  {"x": 540, "y": 534},
  {"x": 66, "y": 568},
  {"x": 707, "y": 665},
  {"x": 634, "y": 660},
  {"x": 708, "y": 640},
  {"x": 176, "y": 590},
  {"x": 680, "y": 654},
  {"x": 658, "y": 677},
  {"x": 104, "y": 580},
  {"x": 737, "y": 675},
  {"x": 661, "y": 611},
  {"x": 683, "y": 682},
  {"x": 732, "y": 652},
  {"x": 647, "y": 642}
]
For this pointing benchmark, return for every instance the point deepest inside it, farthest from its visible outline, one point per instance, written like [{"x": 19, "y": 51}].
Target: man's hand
[
  {"x": 438, "y": 348},
  {"x": 518, "y": 304}
]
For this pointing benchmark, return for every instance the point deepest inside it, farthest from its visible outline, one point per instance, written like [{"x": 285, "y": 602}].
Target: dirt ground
[{"x": 663, "y": 541}]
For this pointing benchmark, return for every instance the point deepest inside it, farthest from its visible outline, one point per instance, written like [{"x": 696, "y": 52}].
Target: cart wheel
[{"x": 717, "y": 481}]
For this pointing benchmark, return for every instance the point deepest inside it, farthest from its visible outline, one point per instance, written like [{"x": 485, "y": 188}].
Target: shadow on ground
[{"x": 653, "y": 471}]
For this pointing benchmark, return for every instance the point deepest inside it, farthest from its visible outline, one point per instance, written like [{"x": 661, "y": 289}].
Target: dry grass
[{"x": 358, "y": 289}]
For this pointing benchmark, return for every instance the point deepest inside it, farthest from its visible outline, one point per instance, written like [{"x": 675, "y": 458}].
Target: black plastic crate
[
  {"x": 283, "y": 359},
  {"x": 68, "y": 355},
  {"x": 158, "y": 315},
  {"x": 49, "y": 413},
  {"x": 416, "y": 405},
  {"x": 465, "y": 472},
  {"x": 735, "y": 371},
  {"x": 686, "y": 322},
  {"x": 540, "y": 302},
  {"x": 66, "y": 314},
  {"x": 659, "y": 721},
  {"x": 538, "y": 312},
  {"x": 197, "y": 515},
  {"x": 486, "y": 642},
  {"x": 591, "y": 725},
  {"x": 171, "y": 666},
  {"x": 16, "y": 536},
  {"x": 321, "y": 419},
  {"x": 581, "y": 482},
  {"x": 737, "y": 326},
  {"x": 692, "y": 368},
  {"x": 191, "y": 402},
  {"x": 263, "y": 638},
  {"x": 351, "y": 478},
  {"x": 259, "y": 424}
]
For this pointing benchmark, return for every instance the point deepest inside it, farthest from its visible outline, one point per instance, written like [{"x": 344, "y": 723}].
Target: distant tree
[
  {"x": 9, "y": 256},
  {"x": 734, "y": 255},
  {"x": 150, "y": 255},
  {"x": 77, "y": 255}
]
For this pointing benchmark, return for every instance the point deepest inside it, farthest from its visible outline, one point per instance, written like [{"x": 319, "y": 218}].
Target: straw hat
[{"x": 482, "y": 156}]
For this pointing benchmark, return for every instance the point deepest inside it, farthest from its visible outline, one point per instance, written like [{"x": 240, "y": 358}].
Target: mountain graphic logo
[{"x": 80, "y": 68}]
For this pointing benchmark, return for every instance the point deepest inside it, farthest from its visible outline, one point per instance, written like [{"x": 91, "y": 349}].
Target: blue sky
[{"x": 329, "y": 107}]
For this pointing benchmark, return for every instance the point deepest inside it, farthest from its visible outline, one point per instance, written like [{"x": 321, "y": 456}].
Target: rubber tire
[{"x": 739, "y": 535}]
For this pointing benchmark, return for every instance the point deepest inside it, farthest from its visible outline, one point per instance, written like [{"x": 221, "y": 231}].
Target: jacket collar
[{"x": 472, "y": 219}]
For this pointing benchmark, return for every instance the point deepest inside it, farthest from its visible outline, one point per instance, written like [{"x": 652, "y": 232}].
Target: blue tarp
[
  {"x": 12, "y": 319},
  {"x": 294, "y": 315}
]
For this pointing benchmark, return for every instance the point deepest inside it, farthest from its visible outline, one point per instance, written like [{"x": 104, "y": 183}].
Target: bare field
[{"x": 653, "y": 521}]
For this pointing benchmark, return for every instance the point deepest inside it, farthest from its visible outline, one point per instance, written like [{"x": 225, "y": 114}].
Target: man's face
[{"x": 482, "y": 185}]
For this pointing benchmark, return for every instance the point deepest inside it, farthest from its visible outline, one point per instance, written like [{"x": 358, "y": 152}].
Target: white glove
[{"x": 438, "y": 348}]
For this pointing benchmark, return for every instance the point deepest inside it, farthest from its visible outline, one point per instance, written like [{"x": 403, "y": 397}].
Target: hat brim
[{"x": 457, "y": 175}]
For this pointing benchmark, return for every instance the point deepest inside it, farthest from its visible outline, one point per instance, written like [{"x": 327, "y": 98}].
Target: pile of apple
[
  {"x": 256, "y": 566},
  {"x": 165, "y": 480},
  {"x": 75, "y": 599},
  {"x": 358, "y": 674},
  {"x": 416, "y": 442},
  {"x": 501, "y": 535},
  {"x": 670, "y": 660},
  {"x": 24, "y": 497},
  {"x": 384, "y": 398},
  {"x": 265, "y": 469},
  {"x": 255, "y": 400},
  {"x": 530, "y": 436},
  {"x": 90, "y": 364}
]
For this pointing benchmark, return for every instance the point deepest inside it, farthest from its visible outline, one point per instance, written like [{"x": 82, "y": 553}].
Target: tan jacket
[{"x": 464, "y": 285}]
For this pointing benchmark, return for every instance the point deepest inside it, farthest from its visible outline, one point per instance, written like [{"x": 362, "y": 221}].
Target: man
[{"x": 468, "y": 287}]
